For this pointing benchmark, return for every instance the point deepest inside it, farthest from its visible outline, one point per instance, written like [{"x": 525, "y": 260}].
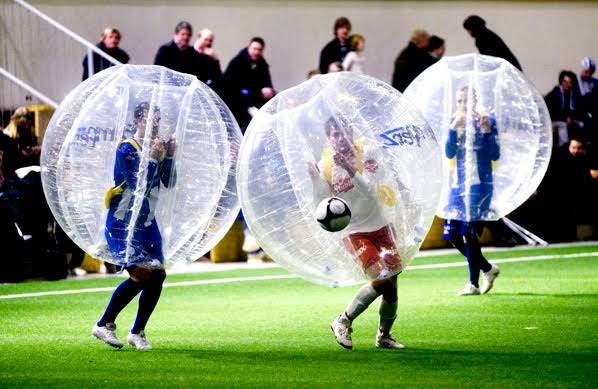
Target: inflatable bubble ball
[
  {"x": 138, "y": 166},
  {"x": 347, "y": 136},
  {"x": 494, "y": 130}
]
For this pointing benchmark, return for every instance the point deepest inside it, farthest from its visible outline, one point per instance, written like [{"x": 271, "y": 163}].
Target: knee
[{"x": 388, "y": 289}]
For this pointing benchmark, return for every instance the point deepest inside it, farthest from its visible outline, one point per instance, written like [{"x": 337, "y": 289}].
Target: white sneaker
[
  {"x": 106, "y": 334},
  {"x": 342, "y": 332},
  {"x": 488, "y": 279},
  {"x": 387, "y": 341},
  {"x": 469, "y": 290},
  {"x": 138, "y": 341}
]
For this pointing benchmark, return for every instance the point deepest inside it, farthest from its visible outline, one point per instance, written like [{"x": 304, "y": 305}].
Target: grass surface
[{"x": 538, "y": 327}]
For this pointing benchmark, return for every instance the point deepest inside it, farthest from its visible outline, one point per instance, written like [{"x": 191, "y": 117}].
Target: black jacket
[
  {"x": 100, "y": 63},
  {"x": 245, "y": 81},
  {"x": 332, "y": 52},
  {"x": 188, "y": 61},
  {"x": 488, "y": 43},
  {"x": 408, "y": 65}
]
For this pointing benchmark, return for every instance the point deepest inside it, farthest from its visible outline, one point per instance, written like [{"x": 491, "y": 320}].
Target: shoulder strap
[{"x": 132, "y": 142}]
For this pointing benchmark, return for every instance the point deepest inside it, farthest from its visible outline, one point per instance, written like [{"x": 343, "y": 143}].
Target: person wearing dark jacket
[
  {"x": 565, "y": 106},
  {"x": 487, "y": 42},
  {"x": 109, "y": 45},
  {"x": 248, "y": 81},
  {"x": 180, "y": 56},
  {"x": 411, "y": 61},
  {"x": 336, "y": 49}
]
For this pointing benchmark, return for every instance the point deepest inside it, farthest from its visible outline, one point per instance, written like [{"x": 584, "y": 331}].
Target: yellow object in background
[
  {"x": 230, "y": 248},
  {"x": 90, "y": 264}
]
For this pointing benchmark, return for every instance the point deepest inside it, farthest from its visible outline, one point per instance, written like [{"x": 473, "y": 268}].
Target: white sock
[
  {"x": 364, "y": 297},
  {"x": 388, "y": 315}
]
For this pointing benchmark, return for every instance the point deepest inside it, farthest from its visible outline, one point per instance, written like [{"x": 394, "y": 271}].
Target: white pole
[
  {"x": 28, "y": 88},
  {"x": 62, "y": 28}
]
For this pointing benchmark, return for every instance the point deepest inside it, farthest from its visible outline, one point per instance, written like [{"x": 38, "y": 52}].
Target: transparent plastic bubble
[
  {"x": 139, "y": 165},
  {"x": 352, "y": 137},
  {"x": 495, "y": 134}
]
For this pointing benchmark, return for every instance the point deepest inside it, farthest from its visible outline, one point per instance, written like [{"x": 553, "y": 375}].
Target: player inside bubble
[
  {"x": 348, "y": 170},
  {"x": 472, "y": 147},
  {"x": 144, "y": 247}
]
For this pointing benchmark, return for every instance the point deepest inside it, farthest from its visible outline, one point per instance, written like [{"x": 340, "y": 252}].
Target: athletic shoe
[
  {"x": 387, "y": 341},
  {"x": 138, "y": 341},
  {"x": 488, "y": 279},
  {"x": 106, "y": 334},
  {"x": 342, "y": 332},
  {"x": 469, "y": 290}
]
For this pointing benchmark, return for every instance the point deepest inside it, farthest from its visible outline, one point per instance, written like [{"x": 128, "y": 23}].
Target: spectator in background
[
  {"x": 248, "y": 77},
  {"x": 204, "y": 42},
  {"x": 588, "y": 88},
  {"x": 109, "y": 44},
  {"x": 335, "y": 67},
  {"x": 587, "y": 83},
  {"x": 487, "y": 42},
  {"x": 338, "y": 48},
  {"x": 203, "y": 46},
  {"x": 178, "y": 55},
  {"x": 563, "y": 103},
  {"x": 21, "y": 131},
  {"x": 436, "y": 49},
  {"x": 568, "y": 187},
  {"x": 412, "y": 60},
  {"x": 355, "y": 61},
  {"x": 8, "y": 158}
]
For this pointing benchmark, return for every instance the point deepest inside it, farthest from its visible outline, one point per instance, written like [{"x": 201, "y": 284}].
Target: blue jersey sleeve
[
  {"x": 451, "y": 144},
  {"x": 168, "y": 173}
]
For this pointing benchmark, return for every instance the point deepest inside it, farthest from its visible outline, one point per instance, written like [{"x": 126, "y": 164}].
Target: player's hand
[
  {"x": 485, "y": 125},
  {"x": 157, "y": 150},
  {"x": 370, "y": 165},
  {"x": 458, "y": 121},
  {"x": 170, "y": 147},
  {"x": 341, "y": 161},
  {"x": 267, "y": 93}
]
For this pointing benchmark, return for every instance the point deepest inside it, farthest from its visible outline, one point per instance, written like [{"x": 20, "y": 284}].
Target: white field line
[{"x": 288, "y": 276}]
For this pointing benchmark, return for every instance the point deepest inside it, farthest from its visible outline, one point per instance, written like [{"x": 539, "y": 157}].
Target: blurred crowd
[{"x": 565, "y": 200}]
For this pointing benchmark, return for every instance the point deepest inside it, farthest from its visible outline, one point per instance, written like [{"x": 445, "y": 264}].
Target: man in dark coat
[
  {"x": 336, "y": 49},
  {"x": 109, "y": 45},
  {"x": 487, "y": 42},
  {"x": 180, "y": 56},
  {"x": 411, "y": 61},
  {"x": 248, "y": 81}
]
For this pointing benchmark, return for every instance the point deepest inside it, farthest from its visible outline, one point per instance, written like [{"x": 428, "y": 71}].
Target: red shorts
[{"x": 376, "y": 251}]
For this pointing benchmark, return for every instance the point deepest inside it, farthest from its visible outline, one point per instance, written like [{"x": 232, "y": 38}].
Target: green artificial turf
[{"x": 537, "y": 328}]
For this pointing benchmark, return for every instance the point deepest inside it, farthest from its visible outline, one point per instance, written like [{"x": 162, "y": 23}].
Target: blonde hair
[
  {"x": 354, "y": 41},
  {"x": 420, "y": 37},
  {"x": 109, "y": 30},
  {"x": 12, "y": 129}
]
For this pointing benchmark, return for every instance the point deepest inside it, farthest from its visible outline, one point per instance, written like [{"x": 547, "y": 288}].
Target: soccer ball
[{"x": 333, "y": 214}]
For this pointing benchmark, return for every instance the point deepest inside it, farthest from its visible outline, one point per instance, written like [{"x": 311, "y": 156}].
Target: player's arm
[
  {"x": 451, "y": 144},
  {"x": 168, "y": 174},
  {"x": 128, "y": 161},
  {"x": 321, "y": 188},
  {"x": 490, "y": 137}
]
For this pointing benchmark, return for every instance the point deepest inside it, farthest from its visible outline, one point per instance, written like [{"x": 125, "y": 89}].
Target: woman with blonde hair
[
  {"x": 21, "y": 131},
  {"x": 110, "y": 39}
]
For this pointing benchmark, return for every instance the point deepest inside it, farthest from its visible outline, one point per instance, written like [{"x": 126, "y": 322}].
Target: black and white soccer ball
[{"x": 333, "y": 214}]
